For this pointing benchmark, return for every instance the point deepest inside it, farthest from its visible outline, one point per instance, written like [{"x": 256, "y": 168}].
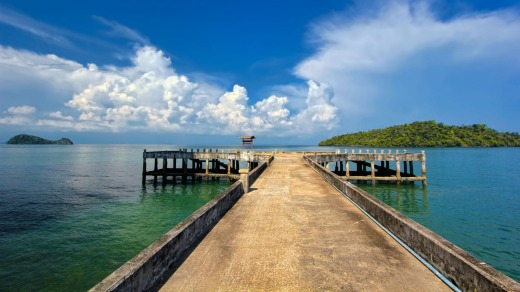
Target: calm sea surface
[{"x": 70, "y": 215}]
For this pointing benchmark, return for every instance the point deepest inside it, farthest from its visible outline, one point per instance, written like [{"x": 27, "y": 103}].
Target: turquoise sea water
[{"x": 70, "y": 215}]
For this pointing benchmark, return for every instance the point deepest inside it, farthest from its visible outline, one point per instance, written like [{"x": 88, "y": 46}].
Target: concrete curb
[{"x": 465, "y": 271}]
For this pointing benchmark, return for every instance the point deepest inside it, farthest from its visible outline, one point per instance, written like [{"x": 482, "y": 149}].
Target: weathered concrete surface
[{"x": 293, "y": 231}]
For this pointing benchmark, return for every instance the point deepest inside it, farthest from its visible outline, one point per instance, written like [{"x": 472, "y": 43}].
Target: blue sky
[{"x": 289, "y": 72}]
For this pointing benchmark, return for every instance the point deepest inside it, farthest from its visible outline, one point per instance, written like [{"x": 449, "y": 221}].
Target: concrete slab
[{"x": 293, "y": 231}]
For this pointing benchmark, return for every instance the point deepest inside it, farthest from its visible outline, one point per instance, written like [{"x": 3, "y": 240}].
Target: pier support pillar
[
  {"x": 244, "y": 178},
  {"x": 174, "y": 178},
  {"x": 155, "y": 171},
  {"x": 423, "y": 167},
  {"x": 372, "y": 172},
  {"x": 164, "y": 168},
  {"x": 398, "y": 171},
  {"x": 144, "y": 166},
  {"x": 184, "y": 170}
]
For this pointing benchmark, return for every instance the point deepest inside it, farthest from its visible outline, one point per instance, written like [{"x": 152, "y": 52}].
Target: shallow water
[{"x": 70, "y": 215}]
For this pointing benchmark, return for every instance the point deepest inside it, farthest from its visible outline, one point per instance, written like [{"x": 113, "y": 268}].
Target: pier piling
[
  {"x": 380, "y": 171},
  {"x": 199, "y": 164}
]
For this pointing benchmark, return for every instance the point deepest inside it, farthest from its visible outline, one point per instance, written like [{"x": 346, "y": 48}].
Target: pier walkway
[{"x": 293, "y": 231}]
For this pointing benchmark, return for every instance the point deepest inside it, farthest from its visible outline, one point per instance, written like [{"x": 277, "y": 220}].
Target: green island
[
  {"x": 427, "y": 134},
  {"x": 29, "y": 139}
]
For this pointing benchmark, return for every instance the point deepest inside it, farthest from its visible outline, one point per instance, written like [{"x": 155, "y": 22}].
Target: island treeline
[
  {"x": 427, "y": 134},
  {"x": 29, "y": 139}
]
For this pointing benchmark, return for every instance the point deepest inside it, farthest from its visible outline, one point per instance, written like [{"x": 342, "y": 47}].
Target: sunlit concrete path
[{"x": 295, "y": 232}]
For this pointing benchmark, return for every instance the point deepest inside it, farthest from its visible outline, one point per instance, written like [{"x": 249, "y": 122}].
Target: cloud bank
[
  {"x": 391, "y": 58},
  {"x": 372, "y": 66},
  {"x": 148, "y": 95}
]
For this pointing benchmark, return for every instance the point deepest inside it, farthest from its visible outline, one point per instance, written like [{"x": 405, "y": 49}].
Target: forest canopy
[
  {"x": 29, "y": 139},
  {"x": 427, "y": 134}
]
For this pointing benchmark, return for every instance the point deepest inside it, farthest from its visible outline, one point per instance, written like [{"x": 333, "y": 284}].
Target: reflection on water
[{"x": 410, "y": 199}]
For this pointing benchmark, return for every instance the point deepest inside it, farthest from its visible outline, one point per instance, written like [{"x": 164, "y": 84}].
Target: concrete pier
[
  {"x": 205, "y": 163},
  {"x": 364, "y": 167},
  {"x": 294, "y": 231}
]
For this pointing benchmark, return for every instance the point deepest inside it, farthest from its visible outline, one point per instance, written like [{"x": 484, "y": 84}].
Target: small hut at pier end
[{"x": 247, "y": 140}]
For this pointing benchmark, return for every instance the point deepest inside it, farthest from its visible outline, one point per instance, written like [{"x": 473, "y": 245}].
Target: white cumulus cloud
[
  {"x": 150, "y": 95},
  {"x": 21, "y": 110}
]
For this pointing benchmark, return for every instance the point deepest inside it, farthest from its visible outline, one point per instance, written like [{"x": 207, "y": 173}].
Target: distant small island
[
  {"x": 29, "y": 139},
  {"x": 427, "y": 134}
]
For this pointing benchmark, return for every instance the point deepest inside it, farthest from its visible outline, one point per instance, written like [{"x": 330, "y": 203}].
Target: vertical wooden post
[
  {"x": 347, "y": 169},
  {"x": 229, "y": 166}
]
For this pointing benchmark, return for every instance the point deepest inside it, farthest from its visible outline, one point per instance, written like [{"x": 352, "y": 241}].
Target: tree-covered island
[
  {"x": 29, "y": 139},
  {"x": 427, "y": 134}
]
